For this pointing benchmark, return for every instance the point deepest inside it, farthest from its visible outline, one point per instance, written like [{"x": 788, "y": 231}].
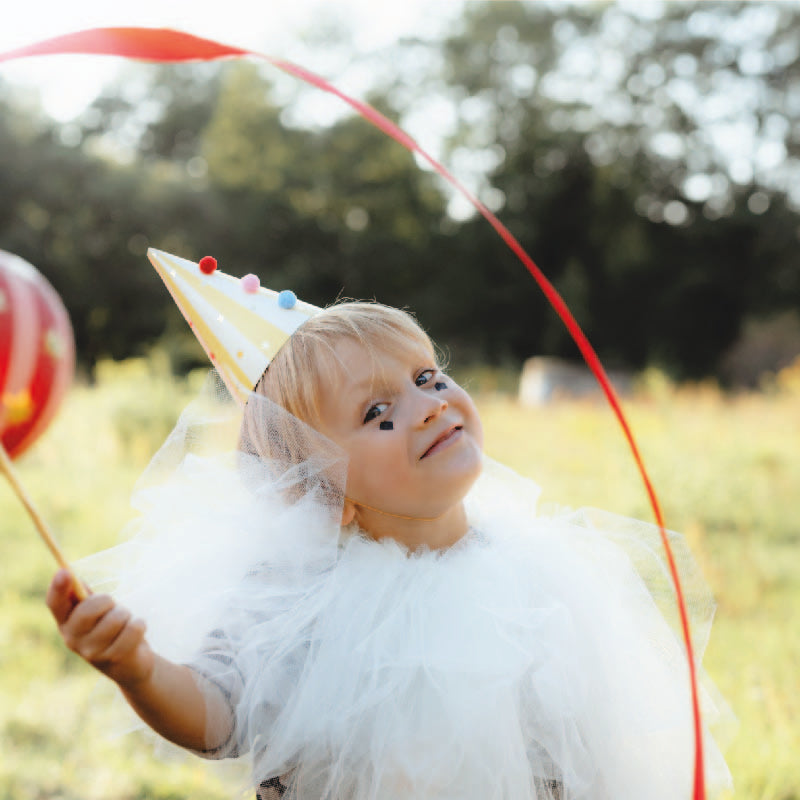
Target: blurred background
[{"x": 646, "y": 154}]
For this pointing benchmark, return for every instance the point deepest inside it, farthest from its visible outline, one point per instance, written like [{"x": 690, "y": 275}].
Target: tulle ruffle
[{"x": 539, "y": 657}]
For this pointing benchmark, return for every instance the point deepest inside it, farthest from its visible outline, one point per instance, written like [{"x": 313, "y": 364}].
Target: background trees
[{"x": 648, "y": 163}]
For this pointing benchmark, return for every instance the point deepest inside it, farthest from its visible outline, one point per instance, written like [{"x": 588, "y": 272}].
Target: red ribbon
[{"x": 164, "y": 45}]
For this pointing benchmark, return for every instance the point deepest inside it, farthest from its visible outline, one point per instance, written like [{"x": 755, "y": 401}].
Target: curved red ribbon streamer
[{"x": 165, "y": 45}]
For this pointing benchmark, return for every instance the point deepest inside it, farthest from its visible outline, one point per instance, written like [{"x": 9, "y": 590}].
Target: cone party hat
[{"x": 240, "y": 324}]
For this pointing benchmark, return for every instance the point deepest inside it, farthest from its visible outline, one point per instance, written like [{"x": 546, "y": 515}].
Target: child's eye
[
  {"x": 424, "y": 377},
  {"x": 374, "y": 412}
]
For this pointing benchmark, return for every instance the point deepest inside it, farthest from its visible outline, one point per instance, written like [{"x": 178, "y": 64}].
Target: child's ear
[{"x": 348, "y": 512}]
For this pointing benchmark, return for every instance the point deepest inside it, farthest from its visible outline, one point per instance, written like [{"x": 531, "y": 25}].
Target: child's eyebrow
[{"x": 378, "y": 382}]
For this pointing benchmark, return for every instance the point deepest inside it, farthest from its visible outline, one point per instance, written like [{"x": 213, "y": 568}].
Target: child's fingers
[
  {"x": 83, "y": 619},
  {"x": 128, "y": 660},
  {"x": 100, "y": 631},
  {"x": 127, "y": 640},
  {"x": 94, "y": 641},
  {"x": 61, "y": 597}
]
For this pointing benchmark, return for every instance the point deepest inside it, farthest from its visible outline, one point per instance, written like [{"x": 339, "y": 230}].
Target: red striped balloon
[{"x": 37, "y": 353}]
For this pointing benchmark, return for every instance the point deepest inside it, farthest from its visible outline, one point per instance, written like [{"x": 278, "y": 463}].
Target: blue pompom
[{"x": 287, "y": 299}]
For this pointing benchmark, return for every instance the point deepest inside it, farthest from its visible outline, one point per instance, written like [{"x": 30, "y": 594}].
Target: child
[{"x": 369, "y": 610}]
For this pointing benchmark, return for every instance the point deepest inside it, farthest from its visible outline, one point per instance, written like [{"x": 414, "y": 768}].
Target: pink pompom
[
  {"x": 250, "y": 283},
  {"x": 207, "y": 264}
]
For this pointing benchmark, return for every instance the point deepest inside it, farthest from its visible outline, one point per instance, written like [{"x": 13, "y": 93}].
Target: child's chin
[
  {"x": 471, "y": 466},
  {"x": 469, "y": 463}
]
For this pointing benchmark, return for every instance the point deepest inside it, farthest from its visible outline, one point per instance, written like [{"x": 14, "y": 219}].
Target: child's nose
[{"x": 432, "y": 407}]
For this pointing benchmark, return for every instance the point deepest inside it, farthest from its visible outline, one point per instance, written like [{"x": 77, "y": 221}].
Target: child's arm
[{"x": 167, "y": 696}]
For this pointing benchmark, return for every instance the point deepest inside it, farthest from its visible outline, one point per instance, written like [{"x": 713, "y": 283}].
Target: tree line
[{"x": 597, "y": 134}]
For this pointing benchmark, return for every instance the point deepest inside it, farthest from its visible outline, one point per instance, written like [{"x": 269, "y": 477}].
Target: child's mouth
[{"x": 442, "y": 441}]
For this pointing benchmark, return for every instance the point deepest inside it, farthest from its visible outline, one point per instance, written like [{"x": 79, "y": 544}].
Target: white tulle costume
[{"x": 539, "y": 657}]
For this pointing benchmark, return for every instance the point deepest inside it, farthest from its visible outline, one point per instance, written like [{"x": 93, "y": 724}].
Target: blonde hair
[{"x": 293, "y": 378}]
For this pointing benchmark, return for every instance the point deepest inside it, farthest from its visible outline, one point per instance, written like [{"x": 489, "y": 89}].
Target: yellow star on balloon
[{"x": 18, "y": 406}]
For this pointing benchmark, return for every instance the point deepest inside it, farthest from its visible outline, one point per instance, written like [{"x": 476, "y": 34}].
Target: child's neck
[{"x": 435, "y": 534}]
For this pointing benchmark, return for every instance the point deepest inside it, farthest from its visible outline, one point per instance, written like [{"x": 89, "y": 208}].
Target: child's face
[{"x": 413, "y": 436}]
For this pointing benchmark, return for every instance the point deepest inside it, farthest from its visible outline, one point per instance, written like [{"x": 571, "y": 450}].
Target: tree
[
  {"x": 602, "y": 128},
  {"x": 648, "y": 163}
]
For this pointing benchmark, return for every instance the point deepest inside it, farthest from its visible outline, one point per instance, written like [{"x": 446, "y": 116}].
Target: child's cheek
[{"x": 479, "y": 433}]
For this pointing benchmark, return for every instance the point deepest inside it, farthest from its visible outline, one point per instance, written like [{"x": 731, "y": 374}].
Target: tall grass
[{"x": 727, "y": 470}]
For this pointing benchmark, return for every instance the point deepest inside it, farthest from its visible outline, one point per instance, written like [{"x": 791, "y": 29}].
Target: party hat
[{"x": 240, "y": 324}]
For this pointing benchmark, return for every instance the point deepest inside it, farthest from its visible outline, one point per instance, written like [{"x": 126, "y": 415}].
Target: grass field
[{"x": 727, "y": 470}]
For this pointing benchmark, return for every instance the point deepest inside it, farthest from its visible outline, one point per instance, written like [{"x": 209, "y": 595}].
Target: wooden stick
[{"x": 44, "y": 532}]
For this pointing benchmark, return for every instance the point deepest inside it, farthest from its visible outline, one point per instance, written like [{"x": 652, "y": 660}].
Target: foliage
[
  {"x": 725, "y": 468},
  {"x": 577, "y": 109},
  {"x": 646, "y": 157}
]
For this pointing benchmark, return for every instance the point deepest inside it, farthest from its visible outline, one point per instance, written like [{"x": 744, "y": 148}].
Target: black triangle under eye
[
  {"x": 386, "y": 425},
  {"x": 439, "y": 386}
]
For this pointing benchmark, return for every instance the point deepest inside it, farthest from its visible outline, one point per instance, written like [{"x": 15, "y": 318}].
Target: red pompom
[{"x": 208, "y": 264}]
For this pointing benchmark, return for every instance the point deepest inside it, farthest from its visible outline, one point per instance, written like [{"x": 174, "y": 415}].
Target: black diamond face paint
[
  {"x": 386, "y": 425},
  {"x": 439, "y": 386}
]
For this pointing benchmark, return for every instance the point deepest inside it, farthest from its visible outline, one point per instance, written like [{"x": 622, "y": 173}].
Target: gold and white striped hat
[{"x": 240, "y": 324}]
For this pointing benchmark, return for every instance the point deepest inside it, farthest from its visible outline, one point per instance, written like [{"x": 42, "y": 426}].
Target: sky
[{"x": 282, "y": 28}]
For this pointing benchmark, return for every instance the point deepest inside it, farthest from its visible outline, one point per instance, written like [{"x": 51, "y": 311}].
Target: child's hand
[{"x": 101, "y": 632}]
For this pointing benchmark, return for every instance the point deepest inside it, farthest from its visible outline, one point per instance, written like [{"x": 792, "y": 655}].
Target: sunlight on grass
[{"x": 727, "y": 470}]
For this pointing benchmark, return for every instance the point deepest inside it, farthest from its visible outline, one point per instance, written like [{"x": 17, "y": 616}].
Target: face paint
[
  {"x": 386, "y": 425},
  {"x": 439, "y": 386}
]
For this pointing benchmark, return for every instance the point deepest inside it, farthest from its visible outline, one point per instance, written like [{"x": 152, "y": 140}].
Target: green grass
[{"x": 727, "y": 471}]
